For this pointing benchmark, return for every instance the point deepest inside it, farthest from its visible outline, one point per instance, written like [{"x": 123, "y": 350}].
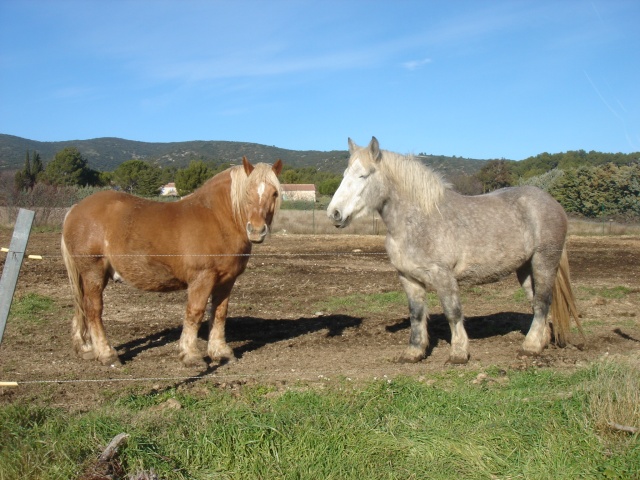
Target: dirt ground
[{"x": 287, "y": 329}]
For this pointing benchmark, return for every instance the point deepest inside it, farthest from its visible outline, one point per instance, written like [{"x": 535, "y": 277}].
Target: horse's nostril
[
  {"x": 262, "y": 232},
  {"x": 336, "y": 215}
]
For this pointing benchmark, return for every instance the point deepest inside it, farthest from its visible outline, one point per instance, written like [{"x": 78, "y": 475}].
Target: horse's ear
[
  {"x": 352, "y": 146},
  {"x": 248, "y": 168},
  {"x": 277, "y": 167},
  {"x": 374, "y": 149}
]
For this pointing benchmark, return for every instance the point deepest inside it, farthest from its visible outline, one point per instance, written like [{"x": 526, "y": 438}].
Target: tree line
[
  {"x": 591, "y": 184},
  {"x": 138, "y": 177}
]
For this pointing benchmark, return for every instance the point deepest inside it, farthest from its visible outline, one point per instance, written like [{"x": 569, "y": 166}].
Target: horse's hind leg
[
  {"x": 537, "y": 279},
  {"x": 93, "y": 285},
  {"x": 419, "y": 337},
  {"x": 526, "y": 280},
  {"x": 80, "y": 334},
  {"x": 81, "y": 337}
]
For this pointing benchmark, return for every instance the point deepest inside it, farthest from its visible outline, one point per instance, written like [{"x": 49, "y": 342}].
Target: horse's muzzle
[
  {"x": 257, "y": 236},
  {"x": 336, "y": 217}
]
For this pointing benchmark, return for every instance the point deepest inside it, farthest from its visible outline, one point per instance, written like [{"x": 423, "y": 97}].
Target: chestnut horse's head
[{"x": 257, "y": 197}]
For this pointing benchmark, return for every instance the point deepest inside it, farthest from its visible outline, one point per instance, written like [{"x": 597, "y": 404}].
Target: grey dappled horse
[{"x": 438, "y": 239}]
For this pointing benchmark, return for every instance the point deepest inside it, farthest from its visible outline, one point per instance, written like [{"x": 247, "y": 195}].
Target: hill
[{"x": 105, "y": 154}]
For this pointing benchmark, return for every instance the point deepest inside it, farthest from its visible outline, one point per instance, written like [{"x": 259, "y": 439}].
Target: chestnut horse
[{"x": 200, "y": 243}]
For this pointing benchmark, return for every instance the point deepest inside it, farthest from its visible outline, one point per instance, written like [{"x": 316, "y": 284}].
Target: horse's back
[
  {"x": 486, "y": 237},
  {"x": 157, "y": 246},
  {"x": 94, "y": 219},
  {"x": 541, "y": 214},
  {"x": 527, "y": 209}
]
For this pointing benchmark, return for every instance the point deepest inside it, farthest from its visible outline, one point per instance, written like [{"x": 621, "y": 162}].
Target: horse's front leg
[
  {"x": 198, "y": 294},
  {"x": 418, "y": 315},
  {"x": 218, "y": 349},
  {"x": 447, "y": 289}
]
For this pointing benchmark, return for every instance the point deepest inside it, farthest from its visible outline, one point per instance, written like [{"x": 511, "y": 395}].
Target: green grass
[
  {"x": 46, "y": 228},
  {"x": 519, "y": 296},
  {"x": 611, "y": 293},
  {"x": 538, "y": 424},
  {"x": 31, "y": 307},
  {"x": 364, "y": 303},
  {"x": 371, "y": 303}
]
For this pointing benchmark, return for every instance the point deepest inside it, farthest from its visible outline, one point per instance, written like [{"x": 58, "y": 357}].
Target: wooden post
[{"x": 13, "y": 263}]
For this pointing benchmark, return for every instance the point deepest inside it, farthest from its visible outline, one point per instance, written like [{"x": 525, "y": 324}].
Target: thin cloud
[
  {"x": 71, "y": 93},
  {"x": 595, "y": 88},
  {"x": 629, "y": 138},
  {"x": 415, "y": 64},
  {"x": 228, "y": 66}
]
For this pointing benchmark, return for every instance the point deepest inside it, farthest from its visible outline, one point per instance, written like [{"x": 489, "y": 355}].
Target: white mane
[{"x": 411, "y": 178}]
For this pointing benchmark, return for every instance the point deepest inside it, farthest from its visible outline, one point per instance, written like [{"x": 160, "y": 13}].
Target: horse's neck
[
  {"x": 214, "y": 194},
  {"x": 394, "y": 213},
  {"x": 397, "y": 213}
]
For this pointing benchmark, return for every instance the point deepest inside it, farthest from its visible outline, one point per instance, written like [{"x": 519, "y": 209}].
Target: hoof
[
  {"x": 193, "y": 361},
  {"x": 86, "y": 355},
  {"x": 225, "y": 360},
  {"x": 84, "y": 351},
  {"x": 458, "y": 359},
  {"x": 411, "y": 355},
  {"x": 409, "y": 359},
  {"x": 110, "y": 360},
  {"x": 528, "y": 353},
  {"x": 222, "y": 355}
]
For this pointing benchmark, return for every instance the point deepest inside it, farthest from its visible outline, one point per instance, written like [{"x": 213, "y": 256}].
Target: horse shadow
[
  {"x": 478, "y": 327},
  {"x": 253, "y": 333}
]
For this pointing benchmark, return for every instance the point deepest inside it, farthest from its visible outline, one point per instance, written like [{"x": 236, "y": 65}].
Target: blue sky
[{"x": 479, "y": 79}]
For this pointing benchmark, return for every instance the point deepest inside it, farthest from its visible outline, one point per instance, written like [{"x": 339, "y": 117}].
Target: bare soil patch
[{"x": 285, "y": 331}]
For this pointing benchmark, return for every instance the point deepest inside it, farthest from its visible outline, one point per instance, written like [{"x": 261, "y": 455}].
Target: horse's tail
[
  {"x": 563, "y": 305},
  {"x": 79, "y": 325}
]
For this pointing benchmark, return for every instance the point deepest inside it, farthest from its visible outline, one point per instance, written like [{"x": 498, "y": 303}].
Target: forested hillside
[
  {"x": 544, "y": 162},
  {"x": 106, "y": 154}
]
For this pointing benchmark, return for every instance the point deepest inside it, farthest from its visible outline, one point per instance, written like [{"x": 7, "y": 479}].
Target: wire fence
[
  {"x": 305, "y": 219},
  {"x": 300, "y": 221},
  {"x": 311, "y": 218}
]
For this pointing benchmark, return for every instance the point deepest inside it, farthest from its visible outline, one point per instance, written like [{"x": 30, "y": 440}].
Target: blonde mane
[{"x": 240, "y": 182}]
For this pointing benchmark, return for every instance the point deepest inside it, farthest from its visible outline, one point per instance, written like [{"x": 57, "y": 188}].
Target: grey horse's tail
[
  {"x": 563, "y": 305},
  {"x": 79, "y": 324}
]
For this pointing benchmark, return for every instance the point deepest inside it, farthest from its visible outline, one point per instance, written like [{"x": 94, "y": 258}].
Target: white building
[
  {"x": 169, "y": 190},
  {"x": 304, "y": 192}
]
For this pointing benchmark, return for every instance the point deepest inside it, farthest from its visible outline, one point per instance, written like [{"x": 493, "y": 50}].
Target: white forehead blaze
[{"x": 261, "y": 189}]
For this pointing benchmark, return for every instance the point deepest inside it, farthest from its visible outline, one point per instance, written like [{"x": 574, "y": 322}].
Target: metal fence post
[{"x": 13, "y": 263}]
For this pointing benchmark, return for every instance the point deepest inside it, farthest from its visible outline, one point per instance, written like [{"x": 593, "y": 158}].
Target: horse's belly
[
  {"x": 152, "y": 278},
  {"x": 479, "y": 274},
  {"x": 473, "y": 273}
]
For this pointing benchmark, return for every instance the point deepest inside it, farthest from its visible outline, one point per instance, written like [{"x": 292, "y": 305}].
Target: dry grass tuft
[{"x": 614, "y": 394}]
